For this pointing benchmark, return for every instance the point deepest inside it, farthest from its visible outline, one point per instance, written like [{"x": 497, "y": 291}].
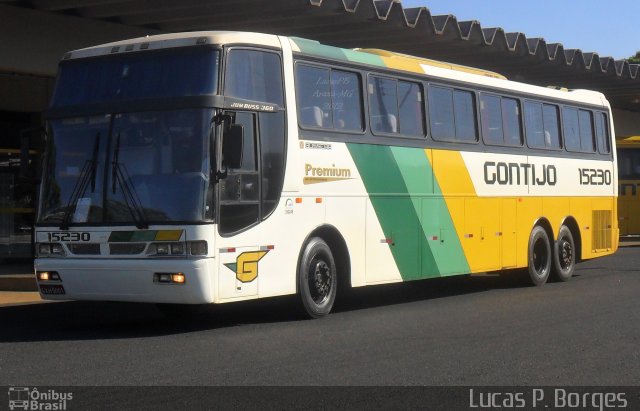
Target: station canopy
[{"x": 383, "y": 24}]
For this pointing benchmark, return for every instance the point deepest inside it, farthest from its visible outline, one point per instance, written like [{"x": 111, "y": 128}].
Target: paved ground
[{"x": 462, "y": 331}]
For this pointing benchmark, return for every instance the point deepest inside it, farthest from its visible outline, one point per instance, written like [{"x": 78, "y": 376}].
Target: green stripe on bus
[
  {"x": 317, "y": 49},
  {"x": 420, "y": 225},
  {"x": 395, "y": 211}
]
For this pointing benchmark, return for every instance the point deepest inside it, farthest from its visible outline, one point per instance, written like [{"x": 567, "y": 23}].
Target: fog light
[
  {"x": 169, "y": 278},
  {"x": 47, "y": 276},
  {"x": 198, "y": 247}
]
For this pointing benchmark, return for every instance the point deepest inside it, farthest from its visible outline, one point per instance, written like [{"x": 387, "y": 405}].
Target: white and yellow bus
[
  {"x": 214, "y": 167},
  {"x": 628, "y": 151}
]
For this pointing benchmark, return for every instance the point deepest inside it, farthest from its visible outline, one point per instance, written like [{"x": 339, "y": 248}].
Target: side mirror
[{"x": 232, "y": 145}]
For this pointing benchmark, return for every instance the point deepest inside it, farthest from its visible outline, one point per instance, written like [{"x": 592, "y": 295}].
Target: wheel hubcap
[
  {"x": 540, "y": 257},
  {"x": 319, "y": 280},
  {"x": 566, "y": 254}
]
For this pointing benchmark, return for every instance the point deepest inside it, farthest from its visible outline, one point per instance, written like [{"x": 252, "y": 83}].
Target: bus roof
[{"x": 372, "y": 57}]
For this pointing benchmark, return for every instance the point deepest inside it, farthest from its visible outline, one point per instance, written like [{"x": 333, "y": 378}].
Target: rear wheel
[
  {"x": 564, "y": 255},
  {"x": 317, "y": 278},
  {"x": 539, "y": 256}
]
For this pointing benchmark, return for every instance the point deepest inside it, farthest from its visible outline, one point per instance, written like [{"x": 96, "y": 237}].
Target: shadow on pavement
[{"x": 79, "y": 320}]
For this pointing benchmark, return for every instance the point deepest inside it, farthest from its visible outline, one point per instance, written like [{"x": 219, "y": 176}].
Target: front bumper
[{"x": 129, "y": 280}]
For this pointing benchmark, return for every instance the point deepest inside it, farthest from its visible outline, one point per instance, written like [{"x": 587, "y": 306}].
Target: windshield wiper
[
  {"x": 87, "y": 174},
  {"x": 120, "y": 175}
]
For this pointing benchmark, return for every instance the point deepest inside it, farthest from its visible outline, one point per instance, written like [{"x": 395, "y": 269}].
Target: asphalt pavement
[{"x": 456, "y": 331}]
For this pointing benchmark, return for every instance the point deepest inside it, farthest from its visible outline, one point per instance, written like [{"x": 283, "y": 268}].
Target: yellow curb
[{"x": 8, "y": 298}]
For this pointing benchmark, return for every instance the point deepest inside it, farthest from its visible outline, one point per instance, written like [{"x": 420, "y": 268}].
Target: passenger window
[
  {"x": 465, "y": 116},
  {"x": 534, "y": 125},
  {"x": 396, "y": 107},
  {"x": 551, "y": 119},
  {"x": 571, "y": 128},
  {"x": 602, "y": 133},
  {"x": 347, "y": 104},
  {"x": 542, "y": 124},
  {"x": 383, "y": 101},
  {"x": 511, "y": 122},
  {"x": 314, "y": 92},
  {"x": 491, "y": 116},
  {"x": 441, "y": 113},
  {"x": 411, "y": 109},
  {"x": 329, "y": 99},
  {"x": 586, "y": 131},
  {"x": 254, "y": 75}
]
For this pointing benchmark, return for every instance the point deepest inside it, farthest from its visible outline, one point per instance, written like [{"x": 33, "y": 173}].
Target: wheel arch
[
  {"x": 336, "y": 242},
  {"x": 546, "y": 225}
]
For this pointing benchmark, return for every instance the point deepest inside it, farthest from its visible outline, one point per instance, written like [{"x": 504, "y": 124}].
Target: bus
[
  {"x": 628, "y": 151},
  {"x": 213, "y": 167}
]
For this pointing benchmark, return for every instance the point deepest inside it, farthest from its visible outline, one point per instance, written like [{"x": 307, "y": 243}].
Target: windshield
[
  {"x": 153, "y": 74},
  {"x": 150, "y": 167}
]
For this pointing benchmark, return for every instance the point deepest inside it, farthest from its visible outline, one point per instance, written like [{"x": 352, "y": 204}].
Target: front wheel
[
  {"x": 539, "y": 256},
  {"x": 564, "y": 255},
  {"x": 317, "y": 278}
]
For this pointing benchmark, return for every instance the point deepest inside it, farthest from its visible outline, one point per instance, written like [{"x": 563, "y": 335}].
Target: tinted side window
[
  {"x": 347, "y": 104},
  {"x": 511, "y": 122},
  {"x": 239, "y": 191},
  {"x": 441, "y": 113},
  {"x": 411, "y": 109},
  {"x": 465, "y": 116},
  {"x": 602, "y": 133},
  {"x": 328, "y": 98},
  {"x": 491, "y": 117},
  {"x": 629, "y": 164},
  {"x": 272, "y": 150},
  {"x": 383, "y": 102},
  {"x": 452, "y": 114},
  {"x": 586, "y": 131},
  {"x": 313, "y": 91},
  {"x": 551, "y": 126},
  {"x": 534, "y": 124},
  {"x": 254, "y": 75},
  {"x": 571, "y": 128},
  {"x": 395, "y": 107}
]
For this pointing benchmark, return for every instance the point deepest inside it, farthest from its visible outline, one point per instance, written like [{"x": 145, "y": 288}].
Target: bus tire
[
  {"x": 317, "y": 278},
  {"x": 540, "y": 256},
  {"x": 564, "y": 255}
]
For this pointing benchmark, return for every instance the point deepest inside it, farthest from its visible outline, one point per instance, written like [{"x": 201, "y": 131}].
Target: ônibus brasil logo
[{"x": 24, "y": 398}]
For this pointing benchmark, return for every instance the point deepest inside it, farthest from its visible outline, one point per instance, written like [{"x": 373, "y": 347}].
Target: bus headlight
[
  {"x": 174, "y": 249},
  {"x": 56, "y": 248},
  {"x": 198, "y": 248},
  {"x": 46, "y": 249}
]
